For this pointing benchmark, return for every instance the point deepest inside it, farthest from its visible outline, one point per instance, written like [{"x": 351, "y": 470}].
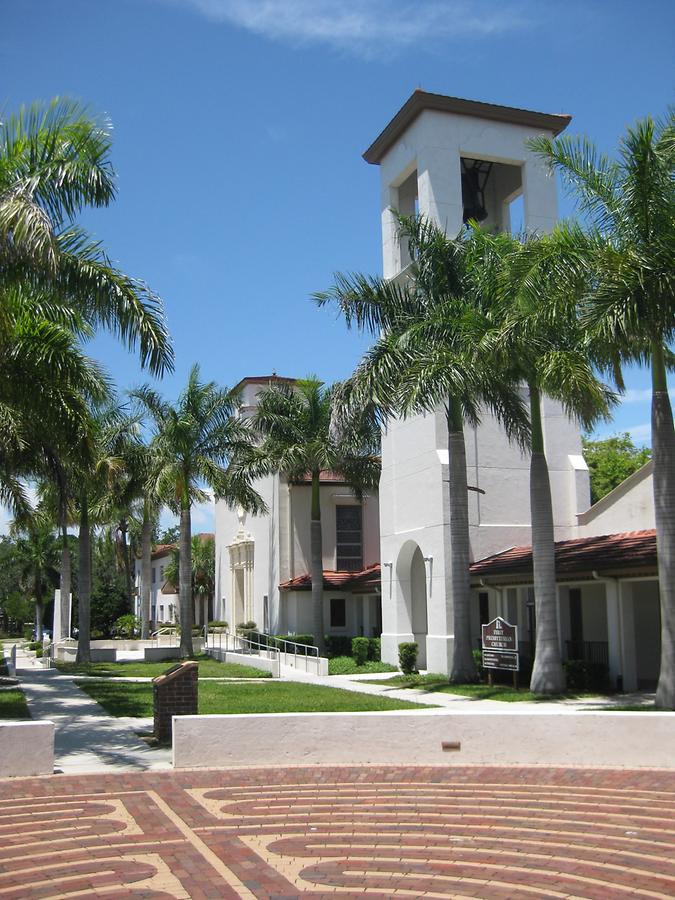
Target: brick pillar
[{"x": 174, "y": 694}]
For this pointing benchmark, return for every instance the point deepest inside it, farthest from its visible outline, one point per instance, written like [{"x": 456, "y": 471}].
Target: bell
[{"x": 475, "y": 174}]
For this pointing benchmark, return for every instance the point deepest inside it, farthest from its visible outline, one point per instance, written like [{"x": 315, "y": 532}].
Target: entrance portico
[{"x": 607, "y": 598}]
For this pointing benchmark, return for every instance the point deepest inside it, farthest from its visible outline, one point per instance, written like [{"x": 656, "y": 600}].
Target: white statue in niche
[{"x": 242, "y": 535}]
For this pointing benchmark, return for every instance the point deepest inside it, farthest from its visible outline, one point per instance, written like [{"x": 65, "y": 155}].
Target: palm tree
[
  {"x": 37, "y": 555},
  {"x": 149, "y": 515},
  {"x": 110, "y": 430},
  {"x": 433, "y": 347},
  {"x": 299, "y": 437},
  {"x": 196, "y": 441},
  {"x": 57, "y": 286},
  {"x": 626, "y": 251},
  {"x": 546, "y": 348},
  {"x": 45, "y": 423},
  {"x": 54, "y": 162},
  {"x": 203, "y": 571}
]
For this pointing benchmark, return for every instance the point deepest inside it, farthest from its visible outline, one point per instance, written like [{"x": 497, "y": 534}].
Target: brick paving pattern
[{"x": 316, "y": 832}]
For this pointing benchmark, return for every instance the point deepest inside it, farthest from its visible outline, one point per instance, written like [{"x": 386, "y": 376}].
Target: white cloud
[{"x": 365, "y": 27}]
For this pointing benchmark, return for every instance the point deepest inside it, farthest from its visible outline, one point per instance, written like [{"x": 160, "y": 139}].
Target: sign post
[{"x": 499, "y": 642}]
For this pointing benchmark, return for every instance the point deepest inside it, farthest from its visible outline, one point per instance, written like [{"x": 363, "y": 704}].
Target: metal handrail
[
  {"x": 167, "y": 629},
  {"x": 269, "y": 645},
  {"x": 235, "y": 643}
]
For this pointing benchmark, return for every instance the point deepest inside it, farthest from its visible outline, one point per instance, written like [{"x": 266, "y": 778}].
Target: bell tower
[{"x": 452, "y": 160}]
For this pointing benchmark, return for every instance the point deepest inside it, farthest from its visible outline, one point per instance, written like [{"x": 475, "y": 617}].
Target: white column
[
  {"x": 439, "y": 187},
  {"x": 57, "y": 628},
  {"x": 391, "y": 255},
  {"x": 539, "y": 196},
  {"x": 627, "y": 624}
]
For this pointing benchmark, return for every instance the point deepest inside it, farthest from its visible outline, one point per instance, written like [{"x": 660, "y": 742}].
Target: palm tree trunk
[
  {"x": 84, "y": 585},
  {"x": 64, "y": 581},
  {"x": 39, "y": 615},
  {"x": 124, "y": 528},
  {"x": 663, "y": 454},
  {"x": 316, "y": 563},
  {"x": 146, "y": 571},
  {"x": 463, "y": 665},
  {"x": 547, "y": 673},
  {"x": 185, "y": 580}
]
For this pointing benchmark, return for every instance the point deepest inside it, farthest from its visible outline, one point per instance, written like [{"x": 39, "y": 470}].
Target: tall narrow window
[
  {"x": 338, "y": 612},
  {"x": 484, "y": 606},
  {"x": 349, "y": 538}
]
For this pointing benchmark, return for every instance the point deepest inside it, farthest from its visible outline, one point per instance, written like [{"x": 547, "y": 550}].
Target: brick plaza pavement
[{"x": 315, "y": 832}]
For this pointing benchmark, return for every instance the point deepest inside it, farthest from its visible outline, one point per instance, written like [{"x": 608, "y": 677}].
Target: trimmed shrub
[
  {"x": 248, "y": 630},
  {"x": 375, "y": 649},
  {"x": 407, "y": 657},
  {"x": 360, "y": 646},
  {"x": 305, "y": 639},
  {"x": 586, "y": 676},
  {"x": 338, "y": 645}
]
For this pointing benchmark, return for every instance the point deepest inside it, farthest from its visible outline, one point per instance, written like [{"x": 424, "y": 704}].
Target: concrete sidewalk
[
  {"x": 87, "y": 739},
  {"x": 362, "y": 684}
]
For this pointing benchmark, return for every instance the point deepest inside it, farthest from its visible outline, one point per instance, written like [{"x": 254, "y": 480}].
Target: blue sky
[{"x": 239, "y": 128}]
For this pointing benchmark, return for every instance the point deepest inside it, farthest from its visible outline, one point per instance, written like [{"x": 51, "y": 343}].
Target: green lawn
[
  {"x": 135, "y": 698},
  {"x": 208, "y": 668},
  {"x": 13, "y": 704},
  {"x": 345, "y": 665},
  {"x": 506, "y": 693}
]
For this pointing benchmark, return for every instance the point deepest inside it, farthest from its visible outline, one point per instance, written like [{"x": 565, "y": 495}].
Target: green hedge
[
  {"x": 360, "y": 648},
  {"x": 407, "y": 657},
  {"x": 585, "y": 676},
  {"x": 338, "y": 645},
  {"x": 305, "y": 639}
]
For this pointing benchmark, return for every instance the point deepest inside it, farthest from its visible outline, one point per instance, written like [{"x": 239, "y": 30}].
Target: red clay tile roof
[
  {"x": 626, "y": 551},
  {"x": 367, "y": 579},
  {"x": 325, "y": 477},
  {"x": 163, "y": 549}
]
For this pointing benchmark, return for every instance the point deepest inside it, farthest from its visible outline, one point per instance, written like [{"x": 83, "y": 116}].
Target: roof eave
[{"x": 423, "y": 100}]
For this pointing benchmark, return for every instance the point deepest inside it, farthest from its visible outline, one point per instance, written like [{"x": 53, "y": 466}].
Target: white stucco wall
[
  {"x": 629, "y": 507},
  {"x": 264, "y": 531},
  {"x": 157, "y": 598},
  {"x": 416, "y": 737}
]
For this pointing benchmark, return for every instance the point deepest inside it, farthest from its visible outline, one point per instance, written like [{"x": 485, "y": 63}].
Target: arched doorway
[{"x": 411, "y": 575}]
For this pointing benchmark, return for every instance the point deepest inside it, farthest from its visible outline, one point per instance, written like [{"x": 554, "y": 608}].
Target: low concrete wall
[
  {"x": 26, "y": 748},
  {"x": 164, "y": 641},
  {"x": 101, "y": 654},
  {"x": 157, "y": 654},
  {"x": 264, "y": 663},
  {"x": 426, "y": 737},
  {"x": 315, "y": 665}
]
